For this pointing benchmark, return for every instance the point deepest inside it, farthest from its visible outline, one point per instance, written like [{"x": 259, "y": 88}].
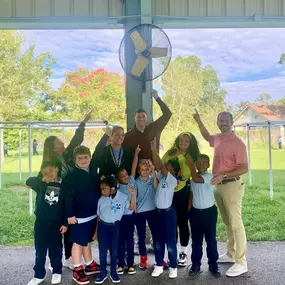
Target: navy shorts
[{"x": 82, "y": 233}]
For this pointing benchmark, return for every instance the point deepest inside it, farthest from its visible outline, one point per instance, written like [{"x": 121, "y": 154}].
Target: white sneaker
[
  {"x": 182, "y": 259},
  {"x": 226, "y": 259},
  {"x": 35, "y": 281},
  {"x": 68, "y": 263},
  {"x": 158, "y": 270},
  {"x": 56, "y": 278},
  {"x": 236, "y": 270},
  {"x": 172, "y": 273}
]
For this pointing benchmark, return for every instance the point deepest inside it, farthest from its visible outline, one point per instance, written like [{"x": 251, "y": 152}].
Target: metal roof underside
[{"x": 109, "y": 14}]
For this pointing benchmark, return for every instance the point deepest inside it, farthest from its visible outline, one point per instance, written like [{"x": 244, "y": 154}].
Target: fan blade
[
  {"x": 158, "y": 52},
  {"x": 139, "y": 43},
  {"x": 139, "y": 66}
]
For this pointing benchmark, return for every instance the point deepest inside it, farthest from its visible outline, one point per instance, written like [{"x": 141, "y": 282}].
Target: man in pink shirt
[{"x": 230, "y": 162}]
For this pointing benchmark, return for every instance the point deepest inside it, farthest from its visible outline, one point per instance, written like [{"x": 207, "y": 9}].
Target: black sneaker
[
  {"x": 195, "y": 271},
  {"x": 131, "y": 270},
  {"x": 215, "y": 271},
  {"x": 120, "y": 270}
]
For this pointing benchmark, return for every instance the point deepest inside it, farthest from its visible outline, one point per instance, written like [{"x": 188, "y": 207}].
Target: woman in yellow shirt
[{"x": 185, "y": 144}]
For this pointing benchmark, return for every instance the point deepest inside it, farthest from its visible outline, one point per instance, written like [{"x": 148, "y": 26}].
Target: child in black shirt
[
  {"x": 50, "y": 222},
  {"x": 82, "y": 187}
]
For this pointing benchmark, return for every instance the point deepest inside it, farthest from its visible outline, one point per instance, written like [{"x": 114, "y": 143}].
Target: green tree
[
  {"x": 281, "y": 101},
  {"x": 187, "y": 85},
  {"x": 264, "y": 99},
  {"x": 236, "y": 108},
  {"x": 98, "y": 90},
  {"x": 23, "y": 77},
  {"x": 282, "y": 59}
]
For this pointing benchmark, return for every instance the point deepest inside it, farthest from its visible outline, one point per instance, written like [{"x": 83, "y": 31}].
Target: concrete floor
[{"x": 266, "y": 264}]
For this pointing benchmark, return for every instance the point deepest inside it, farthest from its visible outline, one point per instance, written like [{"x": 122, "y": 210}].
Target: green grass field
[{"x": 263, "y": 219}]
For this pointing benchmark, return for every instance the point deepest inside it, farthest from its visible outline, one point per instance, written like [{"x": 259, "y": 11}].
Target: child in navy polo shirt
[
  {"x": 203, "y": 216},
  {"x": 166, "y": 215},
  {"x": 50, "y": 222},
  {"x": 82, "y": 194},
  {"x": 111, "y": 207},
  {"x": 127, "y": 225},
  {"x": 145, "y": 205}
]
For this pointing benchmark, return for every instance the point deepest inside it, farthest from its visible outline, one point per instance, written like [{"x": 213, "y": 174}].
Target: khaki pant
[{"x": 229, "y": 200}]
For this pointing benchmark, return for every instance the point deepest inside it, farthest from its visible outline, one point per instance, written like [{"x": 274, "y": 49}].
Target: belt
[
  {"x": 164, "y": 210},
  {"x": 230, "y": 180},
  {"x": 108, "y": 224}
]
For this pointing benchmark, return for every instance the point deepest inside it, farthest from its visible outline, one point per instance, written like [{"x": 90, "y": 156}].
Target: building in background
[{"x": 253, "y": 113}]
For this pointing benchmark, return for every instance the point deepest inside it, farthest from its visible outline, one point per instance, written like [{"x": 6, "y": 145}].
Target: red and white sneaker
[
  {"x": 165, "y": 265},
  {"x": 92, "y": 268},
  {"x": 143, "y": 262},
  {"x": 79, "y": 275}
]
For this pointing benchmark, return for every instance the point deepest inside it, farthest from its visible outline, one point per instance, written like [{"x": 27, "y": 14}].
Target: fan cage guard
[{"x": 122, "y": 55}]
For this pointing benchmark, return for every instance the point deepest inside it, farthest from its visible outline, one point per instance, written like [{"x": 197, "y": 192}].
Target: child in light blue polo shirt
[
  {"x": 145, "y": 203},
  {"x": 203, "y": 216},
  {"x": 127, "y": 225},
  {"x": 112, "y": 206},
  {"x": 166, "y": 215}
]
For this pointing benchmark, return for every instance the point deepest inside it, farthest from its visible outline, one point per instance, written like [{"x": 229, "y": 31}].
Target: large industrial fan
[{"x": 145, "y": 52}]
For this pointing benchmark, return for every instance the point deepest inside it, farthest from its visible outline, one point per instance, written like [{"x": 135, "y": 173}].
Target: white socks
[{"x": 88, "y": 263}]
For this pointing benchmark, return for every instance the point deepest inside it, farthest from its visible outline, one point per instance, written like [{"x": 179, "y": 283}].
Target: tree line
[{"x": 26, "y": 92}]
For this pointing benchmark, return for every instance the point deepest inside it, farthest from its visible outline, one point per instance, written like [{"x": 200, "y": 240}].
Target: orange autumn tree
[{"x": 98, "y": 90}]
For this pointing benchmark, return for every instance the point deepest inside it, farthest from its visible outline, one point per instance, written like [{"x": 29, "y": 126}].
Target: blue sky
[{"x": 246, "y": 60}]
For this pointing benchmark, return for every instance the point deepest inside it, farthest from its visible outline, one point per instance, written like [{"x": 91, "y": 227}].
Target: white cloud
[
  {"x": 237, "y": 55},
  {"x": 246, "y": 51},
  {"x": 250, "y": 90}
]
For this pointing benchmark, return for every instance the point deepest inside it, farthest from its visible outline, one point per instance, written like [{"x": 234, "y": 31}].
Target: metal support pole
[
  {"x": 134, "y": 88},
  {"x": 20, "y": 155},
  {"x": 283, "y": 142},
  {"x": 1, "y": 156},
  {"x": 63, "y": 135},
  {"x": 270, "y": 162},
  {"x": 30, "y": 166},
  {"x": 248, "y": 155}
]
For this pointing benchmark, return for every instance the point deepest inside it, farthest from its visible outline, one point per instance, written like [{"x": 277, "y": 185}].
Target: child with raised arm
[
  {"x": 50, "y": 221},
  {"x": 111, "y": 207},
  {"x": 166, "y": 215},
  {"x": 145, "y": 205},
  {"x": 127, "y": 225},
  {"x": 203, "y": 216},
  {"x": 82, "y": 194}
]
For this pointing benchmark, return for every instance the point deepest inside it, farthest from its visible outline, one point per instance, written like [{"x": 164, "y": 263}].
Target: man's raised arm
[
  {"x": 204, "y": 132},
  {"x": 161, "y": 122}
]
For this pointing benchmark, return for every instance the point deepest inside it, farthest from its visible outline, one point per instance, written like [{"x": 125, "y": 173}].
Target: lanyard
[{"x": 119, "y": 159}]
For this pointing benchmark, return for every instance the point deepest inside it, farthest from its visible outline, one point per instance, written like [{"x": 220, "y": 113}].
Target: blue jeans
[
  {"x": 47, "y": 237},
  {"x": 141, "y": 218},
  {"x": 126, "y": 236},
  {"x": 166, "y": 234},
  {"x": 108, "y": 236}
]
